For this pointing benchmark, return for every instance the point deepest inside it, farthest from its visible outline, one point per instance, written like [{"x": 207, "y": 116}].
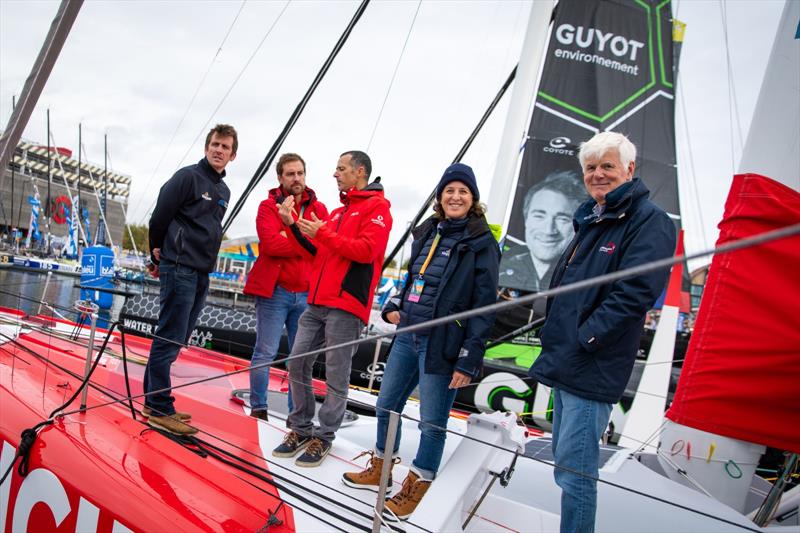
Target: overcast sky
[{"x": 131, "y": 68}]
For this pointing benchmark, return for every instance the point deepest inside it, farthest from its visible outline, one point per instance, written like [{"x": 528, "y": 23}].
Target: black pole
[
  {"x": 105, "y": 186},
  {"x": 59, "y": 29},
  {"x": 12, "y": 200},
  {"x": 21, "y": 199},
  {"x": 273, "y": 151},
  {"x": 459, "y": 156},
  {"x": 14, "y": 235},
  {"x": 101, "y": 231},
  {"x": 49, "y": 180},
  {"x": 78, "y": 185}
]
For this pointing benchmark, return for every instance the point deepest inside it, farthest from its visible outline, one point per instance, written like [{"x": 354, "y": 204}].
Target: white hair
[{"x": 597, "y": 146}]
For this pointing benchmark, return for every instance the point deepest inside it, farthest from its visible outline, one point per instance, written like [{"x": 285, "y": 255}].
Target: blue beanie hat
[{"x": 459, "y": 172}]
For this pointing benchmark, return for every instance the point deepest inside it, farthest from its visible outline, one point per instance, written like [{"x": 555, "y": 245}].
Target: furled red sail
[{"x": 741, "y": 375}]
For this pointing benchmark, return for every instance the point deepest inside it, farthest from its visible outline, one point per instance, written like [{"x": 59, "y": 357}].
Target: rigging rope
[
  {"x": 190, "y": 104},
  {"x": 733, "y": 107},
  {"x": 224, "y": 97},
  {"x": 604, "y": 279},
  {"x": 693, "y": 177},
  {"x": 608, "y": 278},
  {"x": 424, "y": 209},
  {"x": 273, "y": 151},
  {"x": 394, "y": 75}
]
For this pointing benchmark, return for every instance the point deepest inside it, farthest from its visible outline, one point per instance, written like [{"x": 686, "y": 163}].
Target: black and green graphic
[{"x": 609, "y": 67}]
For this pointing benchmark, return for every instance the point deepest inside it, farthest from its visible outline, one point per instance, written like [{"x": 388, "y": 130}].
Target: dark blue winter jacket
[
  {"x": 186, "y": 223},
  {"x": 450, "y": 233},
  {"x": 590, "y": 338},
  {"x": 469, "y": 280}
]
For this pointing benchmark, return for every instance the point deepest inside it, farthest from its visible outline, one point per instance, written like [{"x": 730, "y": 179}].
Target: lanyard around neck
[{"x": 430, "y": 254}]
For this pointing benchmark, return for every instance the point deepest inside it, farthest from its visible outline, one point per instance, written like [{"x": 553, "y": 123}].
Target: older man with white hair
[{"x": 590, "y": 338}]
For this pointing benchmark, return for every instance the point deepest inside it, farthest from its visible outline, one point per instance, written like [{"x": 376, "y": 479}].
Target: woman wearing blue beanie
[{"x": 453, "y": 267}]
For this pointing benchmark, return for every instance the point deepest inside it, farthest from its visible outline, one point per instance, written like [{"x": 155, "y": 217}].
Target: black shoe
[
  {"x": 315, "y": 453},
  {"x": 291, "y": 445},
  {"x": 261, "y": 414}
]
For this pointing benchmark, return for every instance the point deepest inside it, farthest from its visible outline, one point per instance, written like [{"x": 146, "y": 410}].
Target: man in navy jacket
[
  {"x": 591, "y": 337},
  {"x": 185, "y": 235}
]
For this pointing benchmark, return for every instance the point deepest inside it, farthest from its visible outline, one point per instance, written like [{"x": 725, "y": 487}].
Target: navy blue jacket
[
  {"x": 469, "y": 280},
  {"x": 187, "y": 220},
  {"x": 590, "y": 338},
  {"x": 451, "y": 232}
]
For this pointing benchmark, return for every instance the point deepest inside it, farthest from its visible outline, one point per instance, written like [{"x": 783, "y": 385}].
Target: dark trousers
[{"x": 183, "y": 295}]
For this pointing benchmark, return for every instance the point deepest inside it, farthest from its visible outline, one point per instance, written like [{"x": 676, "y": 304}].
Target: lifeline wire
[
  {"x": 747, "y": 242},
  {"x": 655, "y": 265}
]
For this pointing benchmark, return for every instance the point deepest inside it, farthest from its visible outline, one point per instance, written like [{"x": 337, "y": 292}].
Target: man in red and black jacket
[
  {"x": 279, "y": 279},
  {"x": 346, "y": 269}
]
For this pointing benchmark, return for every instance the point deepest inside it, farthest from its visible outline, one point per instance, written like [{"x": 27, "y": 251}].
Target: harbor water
[{"x": 32, "y": 293}]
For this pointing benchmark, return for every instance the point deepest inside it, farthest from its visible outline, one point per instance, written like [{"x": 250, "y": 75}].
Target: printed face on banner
[{"x": 548, "y": 225}]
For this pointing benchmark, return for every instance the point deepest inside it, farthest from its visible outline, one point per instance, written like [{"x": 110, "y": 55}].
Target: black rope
[
  {"x": 28, "y": 436},
  {"x": 125, "y": 371},
  {"x": 26, "y": 441},
  {"x": 608, "y": 278},
  {"x": 263, "y": 168},
  {"x": 258, "y": 472},
  {"x": 587, "y": 476}
]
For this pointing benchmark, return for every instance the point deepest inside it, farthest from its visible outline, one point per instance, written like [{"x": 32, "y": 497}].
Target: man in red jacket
[
  {"x": 279, "y": 279},
  {"x": 346, "y": 269}
]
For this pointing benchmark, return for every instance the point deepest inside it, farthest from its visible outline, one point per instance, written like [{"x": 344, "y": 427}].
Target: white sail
[{"x": 773, "y": 142}]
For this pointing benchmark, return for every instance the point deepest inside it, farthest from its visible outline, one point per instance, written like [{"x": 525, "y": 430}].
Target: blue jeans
[
  {"x": 182, "y": 297},
  {"x": 405, "y": 369},
  {"x": 578, "y": 424},
  {"x": 284, "y": 308}
]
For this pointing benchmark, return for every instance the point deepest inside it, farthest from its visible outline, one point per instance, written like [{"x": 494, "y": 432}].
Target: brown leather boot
[
  {"x": 370, "y": 478},
  {"x": 183, "y": 417},
  {"x": 405, "y": 502},
  {"x": 171, "y": 424}
]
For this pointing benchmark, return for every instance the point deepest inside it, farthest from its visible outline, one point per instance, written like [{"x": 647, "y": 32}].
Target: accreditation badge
[{"x": 416, "y": 290}]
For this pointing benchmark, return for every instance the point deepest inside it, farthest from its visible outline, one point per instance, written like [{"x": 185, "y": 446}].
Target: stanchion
[
  {"x": 90, "y": 309},
  {"x": 391, "y": 435}
]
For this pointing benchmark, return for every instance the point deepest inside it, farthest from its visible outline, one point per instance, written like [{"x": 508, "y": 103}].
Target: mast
[
  {"x": 49, "y": 181},
  {"x": 273, "y": 151},
  {"x": 59, "y": 29},
  {"x": 79, "y": 207},
  {"x": 101, "y": 236},
  {"x": 522, "y": 96},
  {"x": 14, "y": 234}
]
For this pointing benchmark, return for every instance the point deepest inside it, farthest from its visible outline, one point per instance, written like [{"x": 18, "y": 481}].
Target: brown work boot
[
  {"x": 369, "y": 479},
  {"x": 171, "y": 424},
  {"x": 183, "y": 417},
  {"x": 404, "y": 502}
]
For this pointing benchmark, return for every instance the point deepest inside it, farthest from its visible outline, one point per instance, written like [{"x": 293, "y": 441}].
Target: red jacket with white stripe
[
  {"x": 281, "y": 260},
  {"x": 350, "y": 249}
]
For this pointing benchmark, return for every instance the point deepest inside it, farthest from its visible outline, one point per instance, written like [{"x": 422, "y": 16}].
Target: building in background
[{"x": 29, "y": 167}]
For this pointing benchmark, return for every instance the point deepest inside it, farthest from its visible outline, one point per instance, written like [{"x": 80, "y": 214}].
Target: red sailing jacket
[
  {"x": 350, "y": 249},
  {"x": 281, "y": 260}
]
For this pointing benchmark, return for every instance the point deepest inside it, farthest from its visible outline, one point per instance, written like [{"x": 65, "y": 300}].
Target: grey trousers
[{"x": 321, "y": 326}]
